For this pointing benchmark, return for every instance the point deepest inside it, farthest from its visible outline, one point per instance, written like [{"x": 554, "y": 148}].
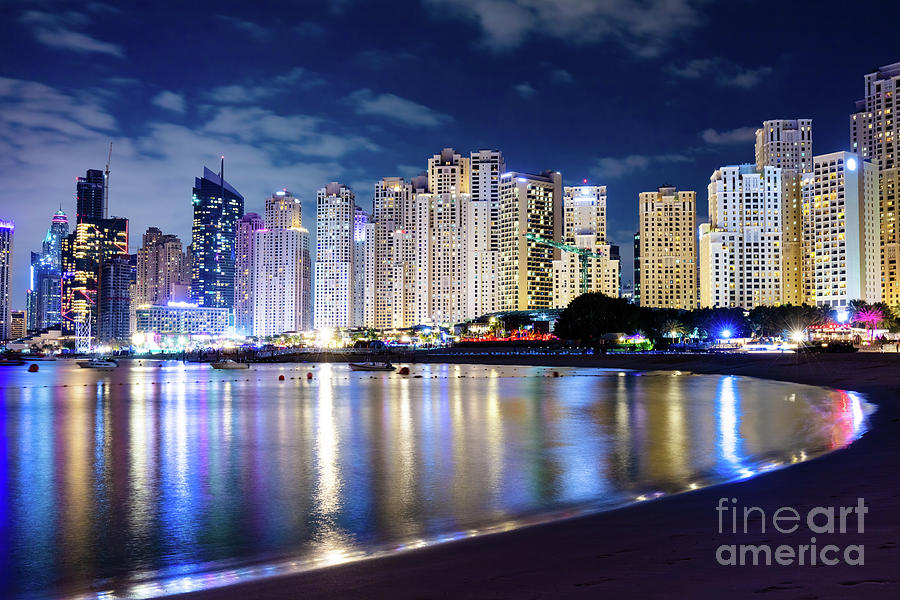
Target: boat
[
  {"x": 372, "y": 366},
  {"x": 98, "y": 363},
  {"x": 229, "y": 364},
  {"x": 39, "y": 357}
]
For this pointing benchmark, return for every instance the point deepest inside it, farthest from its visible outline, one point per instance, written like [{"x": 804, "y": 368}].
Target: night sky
[{"x": 626, "y": 94}]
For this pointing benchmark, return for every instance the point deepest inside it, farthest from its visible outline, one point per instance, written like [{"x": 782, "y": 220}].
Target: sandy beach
[{"x": 667, "y": 547}]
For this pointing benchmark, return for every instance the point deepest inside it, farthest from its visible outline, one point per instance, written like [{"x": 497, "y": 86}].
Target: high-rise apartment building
[
  {"x": 390, "y": 296},
  {"x": 841, "y": 239},
  {"x": 440, "y": 243},
  {"x": 114, "y": 315},
  {"x": 244, "y": 272},
  {"x": 449, "y": 173},
  {"x": 528, "y": 204},
  {"x": 335, "y": 212},
  {"x": 668, "y": 248},
  {"x": 785, "y": 143},
  {"x": 217, "y": 208},
  {"x": 163, "y": 271},
  {"x": 874, "y": 136},
  {"x": 360, "y": 242},
  {"x": 584, "y": 226},
  {"x": 483, "y": 235},
  {"x": 6, "y": 253},
  {"x": 740, "y": 258},
  {"x": 636, "y": 284},
  {"x": 281, "y": 294},
  {"x": 90, "y": 199}
]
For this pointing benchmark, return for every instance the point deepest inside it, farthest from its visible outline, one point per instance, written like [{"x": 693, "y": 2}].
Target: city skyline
[{"x": 384, "y": 110}]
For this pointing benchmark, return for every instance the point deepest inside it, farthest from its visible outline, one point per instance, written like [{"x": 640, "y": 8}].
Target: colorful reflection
[{"x": 151, "y": 480}]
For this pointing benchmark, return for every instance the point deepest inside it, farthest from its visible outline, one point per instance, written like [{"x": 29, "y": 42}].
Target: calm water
[{"x": 158, "y": 478}]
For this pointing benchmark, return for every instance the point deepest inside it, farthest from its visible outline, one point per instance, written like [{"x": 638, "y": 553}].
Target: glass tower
[{"x": 217, "y": 208}]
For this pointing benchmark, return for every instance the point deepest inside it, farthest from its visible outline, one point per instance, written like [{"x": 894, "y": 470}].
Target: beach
[{"x": 652, "y": 548}]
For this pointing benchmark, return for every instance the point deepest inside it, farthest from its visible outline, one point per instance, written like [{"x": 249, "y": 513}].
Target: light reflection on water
[{"x": 140, "y": 480}]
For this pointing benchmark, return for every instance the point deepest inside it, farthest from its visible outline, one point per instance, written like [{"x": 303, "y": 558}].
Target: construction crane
[
  {"x": 583, "y": 255},
  {"x": 106, "y": 183}
]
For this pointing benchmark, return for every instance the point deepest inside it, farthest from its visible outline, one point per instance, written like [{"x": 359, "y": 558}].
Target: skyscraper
[
  {"x": 873, "y": 135},
  {"x": 6, "y": 253},
  {"x": 358, "y": 309},
  {"x": 84, "y": 251},
  {"x": 785, "y": 143},
  {"x": 390, "y": 256},
  {"x": 668, "y": 249},
  {"x": 740, "y": 258},
  {"x": 841, "y": 238},
  {"x": 584, "y": 226},
  {"x": 483, "y": 235},
  {"x": 89, "y": 195},
  {"x": 335, "y": 211},
  {"x": 116, "y": 279},
  {"x": 244, "y": 272},
  {"x": 448, "y": 173},
  {"x": 44, "y": 302},
  {"x": 217, "y": 208},
  {"x": 528, "y": 204},
  {"x": 280, "y": 295}
]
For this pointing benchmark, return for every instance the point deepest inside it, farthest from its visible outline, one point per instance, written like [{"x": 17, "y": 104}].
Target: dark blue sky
[{"x": 626, "y": 94}]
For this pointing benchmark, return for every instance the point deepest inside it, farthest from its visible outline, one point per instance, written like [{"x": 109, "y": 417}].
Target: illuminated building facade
[
  {"x": 244, "y": 271},
  {"x": 668, "y": 248},
  {"x": 483, "y": 234},
  {"x": 44, "y": 298},
  {"x": 786, "y": 144},
  {"x": 7, "y": 228},
  {"x": 528, "y": 204},
  {"x": 180, "y": 319},
  {"x": 874, "y": 136},
  {"x": 584, "y": 226},
  {"x": 217, "y": 208},
  {"x": 360, "y": 242},
  {"x": 90, "y": 200},
  {"x": 740, "y": 257},
  {"x": 281, "y": 293},
  {"x": 90, "y": 245},
  {"x": 841, "y": 238},
  {"x": 114, "y": 314},
  {"x": 335, "y": 211},
  {"x": 17, "y": 324}
]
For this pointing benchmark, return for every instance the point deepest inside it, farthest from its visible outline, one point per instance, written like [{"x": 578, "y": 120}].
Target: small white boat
[
  {"x": 372, "y": 366},
  {"x": 229, "y": 364},
  {"x": 98, "y": 363}
]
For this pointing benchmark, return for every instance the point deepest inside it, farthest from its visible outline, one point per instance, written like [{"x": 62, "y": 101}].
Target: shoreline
[{"x": 645, "y": 549}]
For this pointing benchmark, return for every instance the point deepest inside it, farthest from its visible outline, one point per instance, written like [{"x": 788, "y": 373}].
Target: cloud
[
  {"x": 401, "y": 110},
  {"x": 170, "y": 101},
  {"x": 646, "y": 28},
  {"x": 50, "y": 136},
  {"x": 734, "y": 136},
  {"x": 722, "y": 72},
  {"x": 252, "y": 90},
  {"x": 53, "y": 30},
  {"x": 254, "y": 30},
  {"x": 613, "y": 168},
  {"x": 526, "y": 90}
]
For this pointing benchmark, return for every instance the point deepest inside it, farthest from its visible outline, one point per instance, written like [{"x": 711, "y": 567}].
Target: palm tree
[
  {"x": 673, "y": 329},
  {"x": 870, "y": 317}
]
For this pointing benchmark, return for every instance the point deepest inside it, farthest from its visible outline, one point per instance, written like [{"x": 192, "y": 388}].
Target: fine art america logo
[{"x": 821, "y": 521}]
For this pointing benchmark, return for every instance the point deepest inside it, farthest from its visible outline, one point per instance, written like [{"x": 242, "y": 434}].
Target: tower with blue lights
[{"x": 217, "y": 208}]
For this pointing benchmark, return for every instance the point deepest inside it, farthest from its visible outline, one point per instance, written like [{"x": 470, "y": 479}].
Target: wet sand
[{"x": 665, "y": 548}]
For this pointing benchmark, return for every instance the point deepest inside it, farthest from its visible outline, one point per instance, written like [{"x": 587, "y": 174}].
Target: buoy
[
  {"x": 309, "y": 375},
  {"x": 556, "y": 373},
  {"x": 281, "y": 378},
  {"x": 403, "y": 371},
  {"x": 33, "y": 368}
]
